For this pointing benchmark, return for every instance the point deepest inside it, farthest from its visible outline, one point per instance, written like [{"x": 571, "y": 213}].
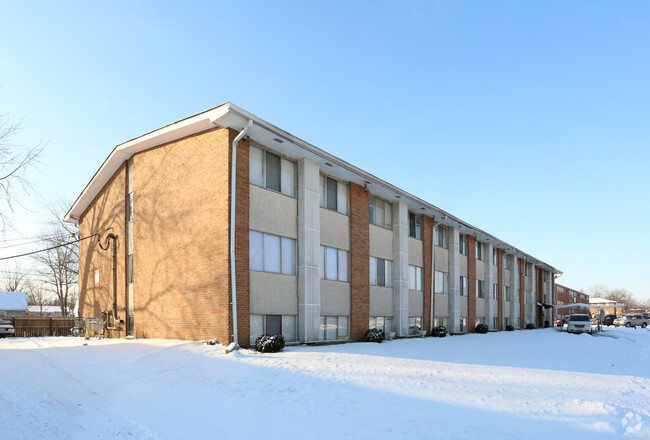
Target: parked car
[
  {"x": 631, "y": 320},
  {"x": 6, "y": 328},
  {"x": 609, "y": 320},
  {"x": 560, "y": 322},
  {"x": 579, "y": 323}
]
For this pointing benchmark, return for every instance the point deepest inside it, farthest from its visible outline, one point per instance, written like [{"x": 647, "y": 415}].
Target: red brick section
[
  {"x": 471, "y": 279},
  {"x": 501, "y": 289},
  {"x": 242, "y": 220},
  {"x": 427, "y": 248},
  {"x": 105, "y": 214},
  {"x": 539, "y": 280},
  {"x": 522, "y": 293},
  {"x": 360, "y": 262}
]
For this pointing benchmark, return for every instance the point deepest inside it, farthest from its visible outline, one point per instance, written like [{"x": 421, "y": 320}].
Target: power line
[
  {"x": 54, "y": 237},
  {"x": 38, "y": 236},
  {"x": 50, "y": 248}
]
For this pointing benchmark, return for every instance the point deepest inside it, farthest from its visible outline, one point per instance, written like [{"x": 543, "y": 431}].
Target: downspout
[
  {"x": 233, "y": 193},
  {"x": 113, "y": 239}
]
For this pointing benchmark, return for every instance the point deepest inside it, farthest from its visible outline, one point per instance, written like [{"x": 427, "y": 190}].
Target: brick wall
[
  {"x": 427, "y": 249},
  {"x": 242, "y": 215},
  {"x": 106, "y": 214},
  {"x": 360, "y": 262},
  {"x": 471, "y": 279}
]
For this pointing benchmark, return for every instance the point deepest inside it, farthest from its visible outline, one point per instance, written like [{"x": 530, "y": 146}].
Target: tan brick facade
[{"x": 360, "y": 262}]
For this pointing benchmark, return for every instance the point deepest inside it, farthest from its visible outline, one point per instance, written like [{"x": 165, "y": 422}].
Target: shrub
[
  {"x": 439, "y": 332},
  {"x": 481, "y": 328},
  {"x": 374, "y": 335},
  {"x": 269, "y": 343},
  {"x": 531, "y": 326},
  {"x": 510, "y": 328}
]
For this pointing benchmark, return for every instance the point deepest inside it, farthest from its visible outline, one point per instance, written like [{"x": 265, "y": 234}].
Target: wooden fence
[{"x": 30, "y": 326}]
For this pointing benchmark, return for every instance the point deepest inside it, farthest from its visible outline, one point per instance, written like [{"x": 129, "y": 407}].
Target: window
[
  {"x": 333, "y": 195},
  {"x": 508, "y": 293},
  {"x": 284, "y": 325},
  {"x": 479, "y": 321},
  {"x": 507, "y": 321},
  {"x": 462, "y": 325},
  {"x": 462, "y": 244},
  {"x": 440, "y": 236},
  {"x": 415, "y": 278},
  {"x": 129, "y": 207},
  {"x": 381, "y": 272},
  {"x": 546, "y": 276},
  {"x": 529, "y": 269},
  {"x": 96, "y": 276},
  {"x": 129, "y": 268},
  {"x": 507, "y": 262},
  {"x": 335, "y": 264},
  {"x": 529, "y": 296},
  {"x": 480, "y": 289},
  {"x": 479, "y": 250},
  {"x": 415, "y": 325},
  {"x": 441, "y": 282},
  {"x": 333, "y": 328},
  {"x": 384, "y": 323},
  {"x": 463, "y": 286},
  {"x": 272, "y": 172},
  {"x": 415, "y": 226},
  {"x": 495, "y": 292},
  {"x": 495, "y": 323},
  {"x": 380, "y": 212},
  {"x": 271, "y": 253},
  {"x": 495, "y": 256},
  {"x": 437, "y": 322}
]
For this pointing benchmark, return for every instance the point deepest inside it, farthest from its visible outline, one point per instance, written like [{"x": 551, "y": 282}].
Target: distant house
[
  {"x": 606, "y": 302},
  {"x": 13, "y": 304},
  {"x": 54, "y": 311},
  {"x": 566, "y": 295}
]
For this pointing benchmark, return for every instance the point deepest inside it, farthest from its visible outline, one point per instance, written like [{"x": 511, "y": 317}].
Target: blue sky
[{"x": 528, "y": 120}]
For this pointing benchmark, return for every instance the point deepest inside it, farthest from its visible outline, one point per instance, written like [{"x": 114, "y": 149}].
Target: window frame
[
  {"x": 462, "y": 244},
  {"x": 287, "y": 188},
  {"x": 441, "y": 236},
  {"x": 445, "y": 282},
  {"x": 415, "y": 225},
  {"x": 281, "y": 248},
  {"x": 325, "y": 264},
  {"x": 374, "y": 208},
  {"x": 416, "y": 282},
  {"x": 387, "y": 271},
  {"x": 463, "y": 286}
]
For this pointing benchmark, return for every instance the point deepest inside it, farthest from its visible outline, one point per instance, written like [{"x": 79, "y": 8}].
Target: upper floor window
[
  {"x": 462, "y": 244},
  {"x": 380, "y": 212},
  {"x": 495, "y": 256},
  {"x": 495, "y": 291},
  {"x": 528, "y": 269},
  {"x": 464, "y": 287},
  {"x": 507, "y": 262},
  {"x": 546, "y": 277},
  {"x": 335, "y": 264},
  {"x": 508, "y": 293},
  {"x": 271, "y": 253},
  {"x": 381, "y": 272},
  {"x": 440, "y": 236},
  {"x": 333, "y": 195},
  {"x": 415, "y": 278},
  {"x": 415, "y": 225},
  {"x": 480, "y": 289},
  {"x": 479, "y": 250},
  {"x": 271, "y": 171},
  {"x": 441, "y": 282}
]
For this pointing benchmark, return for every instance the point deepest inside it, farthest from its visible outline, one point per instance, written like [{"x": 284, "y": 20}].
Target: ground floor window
[
  {"x": 495, "y": 323},
  {"x": 480, "y": 321},
  {"x": 384, "y": 323},
  {"x": 462, "y": 325},
  {"x": 333, "y": 328},
  {"x": 507, "y": 322},
  {"x": 415, "y": 324},
  {"x": 444, "y": 322},
  {"x": 284, "y": 325}
]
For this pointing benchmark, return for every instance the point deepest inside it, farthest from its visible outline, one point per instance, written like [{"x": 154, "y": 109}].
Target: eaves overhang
[{"x": 231, "y": 116}]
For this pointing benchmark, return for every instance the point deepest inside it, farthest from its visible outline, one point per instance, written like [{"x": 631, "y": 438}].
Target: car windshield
[{"x": 579, "y": 318}]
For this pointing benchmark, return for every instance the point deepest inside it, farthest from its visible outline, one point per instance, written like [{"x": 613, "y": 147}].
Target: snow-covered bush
[
  {"x": 510, "y": 328},
  {"x": 531, "y": 326},
  {"x": 481, "y": 328},
  {"x": 269, "y": 343},
  {"x": 439, "y": 332},
  {"x": 374, "y": 335}
]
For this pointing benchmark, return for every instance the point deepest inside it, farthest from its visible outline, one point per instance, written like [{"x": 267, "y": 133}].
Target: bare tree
[
  {"x": 37, "y": 295},
  {"x": 619, "y": 295},
  {"x": 59, "y": 266},
  {"x": 14, "y": 163},
  {"x": 13, "y": 280}
]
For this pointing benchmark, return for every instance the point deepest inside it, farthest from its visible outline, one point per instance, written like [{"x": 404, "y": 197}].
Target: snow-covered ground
[{"x": 529, "y": 384}]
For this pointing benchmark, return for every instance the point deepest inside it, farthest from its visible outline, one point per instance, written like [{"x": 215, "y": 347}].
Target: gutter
[{"x": 233, "y": 193}]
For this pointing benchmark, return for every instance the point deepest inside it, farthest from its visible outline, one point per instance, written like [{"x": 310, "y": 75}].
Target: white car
[
  {"x": 6, "y": 328},
  {"x": 579, "y": 323}
]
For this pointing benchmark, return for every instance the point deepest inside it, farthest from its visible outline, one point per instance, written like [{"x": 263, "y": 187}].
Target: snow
[
  {"x": 13, "y": 301},
  {"x": 528, "y": 384}
]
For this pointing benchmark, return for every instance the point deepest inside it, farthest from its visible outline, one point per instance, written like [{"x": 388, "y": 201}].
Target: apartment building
[
  {"x": 224, "y": 225},
  {"x": 566, "y": 295}
]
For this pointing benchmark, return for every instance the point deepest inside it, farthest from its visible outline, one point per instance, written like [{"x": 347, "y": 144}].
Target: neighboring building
[
  {"x": 606, "y": 302},
  {"x": 565, "y": 295},
  {"x": 13, "y": 304},
  {"x": 323, "y": 250},
  {"x": 53, "y": 311}
]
